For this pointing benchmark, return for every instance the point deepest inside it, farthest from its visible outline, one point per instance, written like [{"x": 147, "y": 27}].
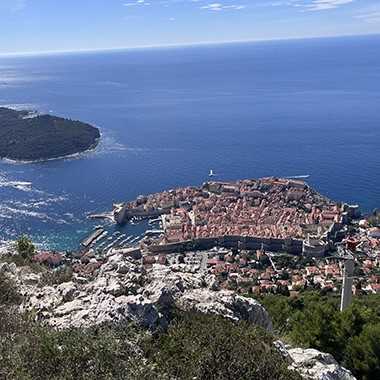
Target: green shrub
[
  {"x": 194, "y": 347},
  {"x": 313, "y": 320},
  {"x": 25, "y": 248},
  {"x": 30, "y": 351},
  {"x": 363, "y": 353},
  {"x": 198, "y": 346},
  {"x": 8, "y": 292}
]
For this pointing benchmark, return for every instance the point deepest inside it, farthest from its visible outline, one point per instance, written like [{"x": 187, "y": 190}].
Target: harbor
[{"x": 111, "y": 237}]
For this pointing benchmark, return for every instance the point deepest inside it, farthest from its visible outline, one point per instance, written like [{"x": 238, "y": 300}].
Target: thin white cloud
[
  {"x": 370, "y": 17},
  {"x": 323, "y": 5},
  {"x": 224, "y": 5},
  {"x": 136, "y": 3},
  {"x": 217, "y": 7}
]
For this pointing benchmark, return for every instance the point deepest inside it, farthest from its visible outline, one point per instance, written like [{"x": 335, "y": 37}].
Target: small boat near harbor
[{"x": 153, "y": 232}]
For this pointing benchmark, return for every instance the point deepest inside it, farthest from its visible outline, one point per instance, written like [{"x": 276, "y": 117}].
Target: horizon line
[{"x": 174, "y": 45}]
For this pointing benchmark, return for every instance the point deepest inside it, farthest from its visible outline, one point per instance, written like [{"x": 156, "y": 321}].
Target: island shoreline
[
  {"x": 68, "y": 156},
  {"x": 58, "y": 137}
]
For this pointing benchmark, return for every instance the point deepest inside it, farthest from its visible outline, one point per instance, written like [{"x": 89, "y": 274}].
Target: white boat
[
  {"x": 305, "y": 176},
  {"x": 211, "y": 174}
]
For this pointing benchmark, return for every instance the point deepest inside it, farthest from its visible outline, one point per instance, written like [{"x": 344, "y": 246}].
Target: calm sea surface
[{"x": 170, "y": 115}]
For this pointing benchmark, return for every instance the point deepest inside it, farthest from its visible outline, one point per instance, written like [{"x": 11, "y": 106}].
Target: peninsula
[
  {"x": 28, "y": 137},
  {"x": 277, "y": 213}
]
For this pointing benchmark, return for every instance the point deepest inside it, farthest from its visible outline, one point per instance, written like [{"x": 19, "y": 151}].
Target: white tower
[{"x": 348, "y": 273}]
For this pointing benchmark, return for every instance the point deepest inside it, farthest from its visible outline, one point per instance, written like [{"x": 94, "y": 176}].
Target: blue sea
[{"x": 169, "y": 115}]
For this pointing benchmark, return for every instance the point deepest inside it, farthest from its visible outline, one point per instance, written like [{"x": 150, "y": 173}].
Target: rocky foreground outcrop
[
  {"x": 312, "y": 364},
  {"x": 123, "y": 290}
]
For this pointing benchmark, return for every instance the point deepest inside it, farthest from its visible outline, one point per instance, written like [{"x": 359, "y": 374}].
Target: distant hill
[{"x": 42, "y": 137}]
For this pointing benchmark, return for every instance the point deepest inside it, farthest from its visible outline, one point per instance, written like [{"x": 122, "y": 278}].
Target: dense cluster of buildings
[
  {"x": 263, "y": 272},
  {"x": 268, "y": 235},
  {"x": 262, "y": 236},
  {"x": 282, "y": 214}
]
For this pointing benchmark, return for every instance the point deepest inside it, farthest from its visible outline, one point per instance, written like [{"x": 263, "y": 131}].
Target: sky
[{"x": 70, "y": 25}]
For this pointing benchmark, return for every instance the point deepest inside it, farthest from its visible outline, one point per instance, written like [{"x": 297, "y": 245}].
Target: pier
[
  {"x": 94, "y": 235},
  {"x": 104, "y": 215}
]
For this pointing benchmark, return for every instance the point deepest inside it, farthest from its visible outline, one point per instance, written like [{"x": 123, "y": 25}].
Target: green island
[{"x": 28, "y": 137}]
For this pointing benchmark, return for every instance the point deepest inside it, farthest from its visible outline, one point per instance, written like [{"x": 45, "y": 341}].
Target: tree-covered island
[{"x": 43, "y": 137}]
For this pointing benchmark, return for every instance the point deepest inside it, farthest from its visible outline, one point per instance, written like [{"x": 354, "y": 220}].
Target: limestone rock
[
  {"x": 68, "y": 308},
  {"x": 226, "y": 304},
  {"x": 6, "y": 268},
  {"x": 123, "y": 291},
  {"x": 142, "y": 311},
  {"x": 114, "y": 287},
  {"x": 67, "y": 290},
  {"x": 312, "y": 364},
  {"x": 31, "y": 278}
]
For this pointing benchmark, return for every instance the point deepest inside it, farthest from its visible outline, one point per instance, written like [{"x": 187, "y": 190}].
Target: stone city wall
[{"x": 238, "y": 242}]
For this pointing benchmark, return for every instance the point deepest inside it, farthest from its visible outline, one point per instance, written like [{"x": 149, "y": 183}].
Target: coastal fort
[{"x": 276, "y": 214}]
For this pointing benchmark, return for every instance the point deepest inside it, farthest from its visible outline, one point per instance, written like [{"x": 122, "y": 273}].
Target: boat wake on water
[
  {"x": 305, "y": 176},
  {"x": 19, "y": 185}
]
